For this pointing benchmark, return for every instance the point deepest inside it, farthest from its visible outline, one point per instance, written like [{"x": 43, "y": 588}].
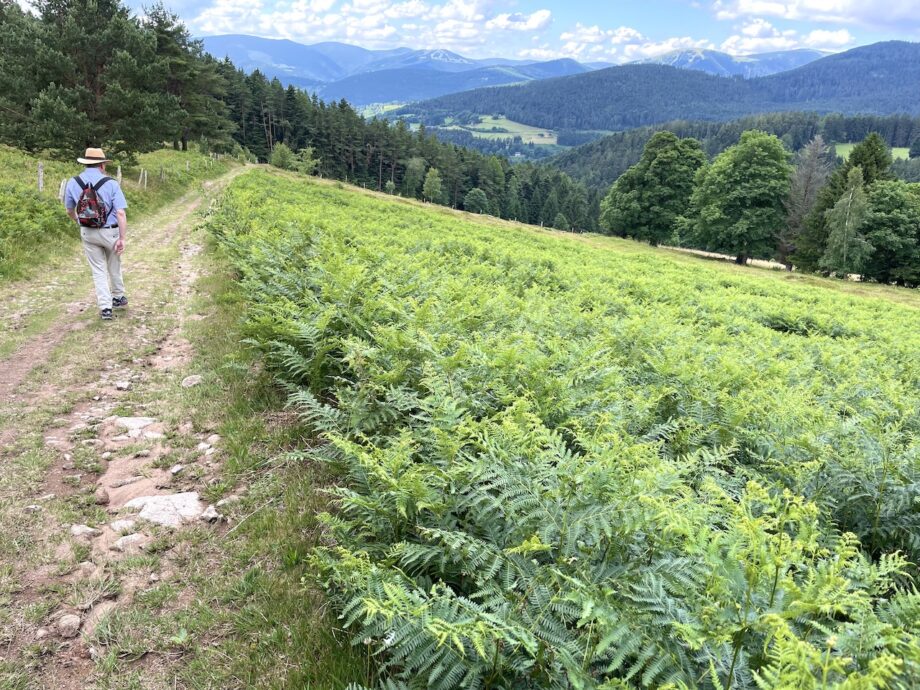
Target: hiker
[{"x": 98, "y": 205}]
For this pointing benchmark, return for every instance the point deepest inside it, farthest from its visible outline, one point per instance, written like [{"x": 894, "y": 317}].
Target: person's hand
[{"x": 119, "y": 246}]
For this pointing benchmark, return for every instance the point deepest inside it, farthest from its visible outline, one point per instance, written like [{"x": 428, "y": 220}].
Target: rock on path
[{"x": 170, "y": 510}]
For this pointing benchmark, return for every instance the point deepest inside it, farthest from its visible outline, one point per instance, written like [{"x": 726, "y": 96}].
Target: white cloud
[
  {"x": 898, "y": 14},
  {"x": 521, "y": 22},
  {"x": 760, "y": 36},
  {"x": 623, "y": 44},
  {"x": 828, "y": 40}
]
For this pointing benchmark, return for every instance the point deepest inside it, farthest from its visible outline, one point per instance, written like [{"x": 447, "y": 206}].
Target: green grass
[
  {"x": 252, "y": 622},
  {"x": 568, "y": 461},
  {"x": 36, "y": 229},
  {"x": 508, "y": 129},
  {"x": 898, "y": 152}
]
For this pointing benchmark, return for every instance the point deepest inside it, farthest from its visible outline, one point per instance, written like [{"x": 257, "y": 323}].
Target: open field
[
  {"x": 844, "y": 150},
  {"x": 508, "y": 129},
  {"x": 568, "y": 461}
]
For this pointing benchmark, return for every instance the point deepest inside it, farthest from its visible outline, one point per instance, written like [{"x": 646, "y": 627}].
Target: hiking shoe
[
  {"x": 119, "y": 302},
  {"x": 106, "y": 314}
]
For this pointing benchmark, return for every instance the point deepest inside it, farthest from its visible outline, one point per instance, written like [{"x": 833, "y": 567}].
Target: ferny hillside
[{"x": 578, "y": 463}]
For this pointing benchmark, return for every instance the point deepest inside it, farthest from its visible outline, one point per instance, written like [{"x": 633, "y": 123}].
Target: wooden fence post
[
  {"x": 140, "y": 178},
  {"x": 145, "y": 179},
  {"x": 62, "y": 190},
  {"x": 119, "y": 175},
  {"x": 187, "y": 166},
  {"x": 41, "y": 177}
]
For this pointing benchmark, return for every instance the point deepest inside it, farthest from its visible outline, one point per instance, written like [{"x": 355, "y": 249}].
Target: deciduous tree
[
  {"x": 738, "y": 203},
  {"x": 432, "y": 189},
  {"x": 647, "y": 200},
  {"x": 847, "y": 248}
]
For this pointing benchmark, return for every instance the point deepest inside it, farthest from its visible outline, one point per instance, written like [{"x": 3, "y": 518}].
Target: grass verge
[{"x": 237, "y": 611}]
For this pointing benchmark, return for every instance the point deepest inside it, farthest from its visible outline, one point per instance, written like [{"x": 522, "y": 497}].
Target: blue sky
[{"x": 612, "y": 31}]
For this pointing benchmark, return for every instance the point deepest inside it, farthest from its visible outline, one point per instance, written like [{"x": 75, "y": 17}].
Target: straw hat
[{"x": 93, "y": 157}]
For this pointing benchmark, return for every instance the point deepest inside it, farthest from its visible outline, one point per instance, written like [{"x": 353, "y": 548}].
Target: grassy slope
[
  {"x": 775, "y": 354},
  {"x": 898, "y": 153},
  {"x": 35, "y": 227}
]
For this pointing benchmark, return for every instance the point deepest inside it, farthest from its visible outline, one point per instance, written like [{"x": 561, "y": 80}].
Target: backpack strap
[
  {"x": 79, "y": 181},
  {"x": 101, "y": 183}
]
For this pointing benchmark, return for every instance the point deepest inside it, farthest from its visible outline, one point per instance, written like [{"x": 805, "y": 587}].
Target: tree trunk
[{"x": 741, "y": 259}]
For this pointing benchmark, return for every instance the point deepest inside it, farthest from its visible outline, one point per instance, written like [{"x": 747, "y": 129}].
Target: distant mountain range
[
  {"x": 403, "y": 75},
  {"x": 747, "y": 66},
  {"x": 363, "y": 77},
  {"x": 883, "y": 78}
]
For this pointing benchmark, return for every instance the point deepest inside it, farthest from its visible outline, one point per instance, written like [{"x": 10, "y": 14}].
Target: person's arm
[
  {"x": 70, "y": 203},
  {"x": 122, "y": 230}
]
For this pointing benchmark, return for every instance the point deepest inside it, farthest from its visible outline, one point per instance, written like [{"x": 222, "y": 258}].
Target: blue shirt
[{"x": 110, "y": 194}]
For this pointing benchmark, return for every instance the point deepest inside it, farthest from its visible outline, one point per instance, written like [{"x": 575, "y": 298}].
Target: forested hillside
[
  {"x": 89, "y": 73},
  {"x": 883, "y": 79},
  {"x": 599, "y": 163},
  {"x": 412, "y": 84}
]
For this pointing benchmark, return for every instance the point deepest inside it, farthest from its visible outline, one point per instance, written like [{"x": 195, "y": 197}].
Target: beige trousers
[{"x": 99, "y": 247}]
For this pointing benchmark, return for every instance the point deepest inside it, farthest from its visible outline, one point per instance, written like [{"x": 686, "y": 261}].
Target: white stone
[
  {"x": 126, "y": 542},
  {"x": 122, "y": 385},
  {"x": 123, "y": 526},
  {"x": 154, "y": 435},
  {"x": 69, "y": 625},
  {"x": 47, "y": 497},
  {"x": 213, "y": 439},
  {"x": 210, "y": 515},
  {"x": 169, "y": 510},
  {"x": 210, "y": 451},
  {"x": 176, "y": 469},
  {"x": 42, "y": 633},
  {"x": 203, "y": 446},
  {"x": 84, "y": 531},
  {"x": 191, "y": 381},
  {"x": 32, "y": 508},
  {"x": 131, "y": 423},
  {"x": 230, "y": 500}
]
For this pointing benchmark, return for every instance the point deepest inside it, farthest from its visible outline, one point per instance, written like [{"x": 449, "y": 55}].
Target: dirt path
[{"x": 96, "y": 471}]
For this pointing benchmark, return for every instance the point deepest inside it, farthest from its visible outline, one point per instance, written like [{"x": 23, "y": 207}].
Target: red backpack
[{"x": 91, "y": 211}]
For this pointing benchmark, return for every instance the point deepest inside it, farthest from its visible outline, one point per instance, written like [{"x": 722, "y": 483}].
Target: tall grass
[{"x": 33, "y": 224}]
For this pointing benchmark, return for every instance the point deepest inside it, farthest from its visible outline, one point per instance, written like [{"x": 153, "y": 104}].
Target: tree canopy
[
  {"x": 646, "y": 202},
  {"x": 738, "y": 200}
]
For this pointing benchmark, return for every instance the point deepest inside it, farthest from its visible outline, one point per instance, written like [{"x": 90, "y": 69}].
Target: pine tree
[
  {"x": 812, "y": 169},
  {"x": 914, "y": 151},
  {"x": 847, "y": 248},
  {"x": 874, "y": 158}
]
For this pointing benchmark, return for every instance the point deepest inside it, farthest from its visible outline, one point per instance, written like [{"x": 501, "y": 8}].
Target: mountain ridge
[
  {"x": 340, "y": 70},
  {"x": 882, "y": 78},
  {"x": 748, "y": 66}
]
